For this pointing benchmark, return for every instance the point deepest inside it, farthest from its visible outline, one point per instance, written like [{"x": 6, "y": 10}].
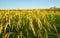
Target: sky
[{"x": 28, "y": 4}]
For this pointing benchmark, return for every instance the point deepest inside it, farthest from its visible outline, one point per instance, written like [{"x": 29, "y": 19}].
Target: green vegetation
[{"x": 38, "y": 23}]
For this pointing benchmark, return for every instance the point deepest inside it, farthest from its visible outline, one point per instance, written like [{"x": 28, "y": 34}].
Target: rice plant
[{"x": 29, "y": 24}]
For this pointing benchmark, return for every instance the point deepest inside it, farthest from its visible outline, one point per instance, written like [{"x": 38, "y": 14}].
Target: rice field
[{"x": 35, "y": 23}]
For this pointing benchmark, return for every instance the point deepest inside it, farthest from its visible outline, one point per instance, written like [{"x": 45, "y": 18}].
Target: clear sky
[{"x": 28, "y": 4}]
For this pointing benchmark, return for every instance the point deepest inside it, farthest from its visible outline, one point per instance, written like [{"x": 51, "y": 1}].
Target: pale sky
[{"x": 28, "y": 4}]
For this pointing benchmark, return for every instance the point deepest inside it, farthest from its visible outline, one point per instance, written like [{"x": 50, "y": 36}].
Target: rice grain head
[{"x": 1, "y": 28}]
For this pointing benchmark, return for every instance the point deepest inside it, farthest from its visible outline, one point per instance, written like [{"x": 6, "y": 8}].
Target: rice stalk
[{"x": 32, "y": 27}]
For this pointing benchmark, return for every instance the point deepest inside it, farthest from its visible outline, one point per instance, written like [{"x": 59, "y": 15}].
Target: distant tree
[{"x": 54, "y": 7}]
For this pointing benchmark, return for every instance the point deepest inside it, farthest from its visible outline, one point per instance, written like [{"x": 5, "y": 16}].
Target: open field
[{"x": 36, "y": 23}]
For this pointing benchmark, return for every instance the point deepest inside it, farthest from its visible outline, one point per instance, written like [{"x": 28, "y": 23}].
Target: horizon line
[{"x": 24, "y": 8}]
